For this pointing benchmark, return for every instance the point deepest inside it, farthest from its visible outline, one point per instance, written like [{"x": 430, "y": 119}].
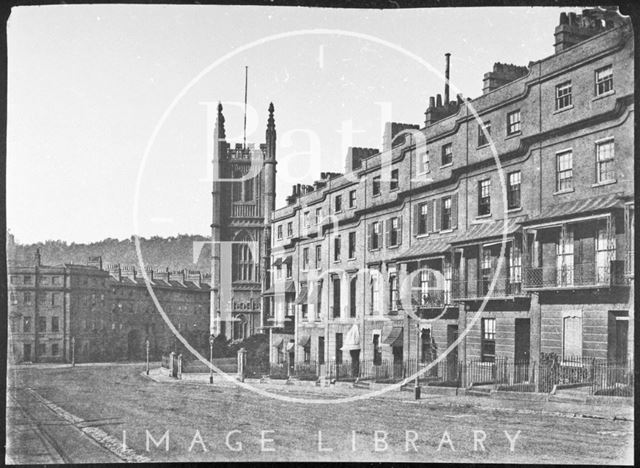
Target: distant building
[
  {"x": 100, "y": 314},
  {"x": 424, "y": 218}
]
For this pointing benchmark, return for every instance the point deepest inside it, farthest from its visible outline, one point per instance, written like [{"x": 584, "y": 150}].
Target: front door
[
  {"x": 397, "y": 361},
  {"x": 522, "y": 350},
  {"x": 618, "y": 337},
  {"x": 622, "y": 330},
  {"x": 523, "y": 340},
  {"x": 355, "y": 362},
  {"x": 26, "y": 353},
  {"x": 292, "y": 358},
  {"x": 452, "y": 357}
]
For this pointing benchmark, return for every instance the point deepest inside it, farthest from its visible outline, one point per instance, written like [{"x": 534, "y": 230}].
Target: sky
[{"x": 108, "y": 104}]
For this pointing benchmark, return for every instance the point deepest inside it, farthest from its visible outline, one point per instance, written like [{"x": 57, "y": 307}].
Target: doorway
[
  {"x": 26, "y": 353},
  {"x": 618, "y": 331},
  {"x": 523, "y": 340},
  {"x": 355, "y": 362},
  {"x": 397, "y": 362},
  {"x": 452, "y": 357},
  {"x": 522, "y": 350}
]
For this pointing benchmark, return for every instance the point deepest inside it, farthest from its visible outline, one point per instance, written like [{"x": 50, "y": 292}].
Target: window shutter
[
  {"x": 399, "y": 230},
  {"x": 416, "y": 219},
  {"x": 370, "y": 236},
  {"x": 454, "y": 211},
  {"x": 387, "y": 223},
  {"x": 438, "y": 214},
  {"x": 430, "y": 216}
]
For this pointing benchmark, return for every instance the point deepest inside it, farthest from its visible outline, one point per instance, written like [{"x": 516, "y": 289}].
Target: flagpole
[{"x": 246, "y": 78}]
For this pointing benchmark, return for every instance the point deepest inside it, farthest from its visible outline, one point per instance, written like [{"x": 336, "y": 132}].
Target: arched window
[
  {"x": 242, "y": 259},
  {"x": 240, "y": 328},
  {"x": 248, "y": 190},
  {"x": 236, "y": 187}
]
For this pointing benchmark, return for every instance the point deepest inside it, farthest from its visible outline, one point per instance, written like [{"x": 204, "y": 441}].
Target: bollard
[{"x": 417, "y": 392}]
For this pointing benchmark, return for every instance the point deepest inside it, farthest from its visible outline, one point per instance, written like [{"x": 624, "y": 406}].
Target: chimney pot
[
  {"x": 446, "y": 76},
  {"x": 438, "y": 100}
]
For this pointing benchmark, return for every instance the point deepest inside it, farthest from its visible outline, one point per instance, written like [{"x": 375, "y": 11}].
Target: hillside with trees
[{"x": 175, "y": 253}]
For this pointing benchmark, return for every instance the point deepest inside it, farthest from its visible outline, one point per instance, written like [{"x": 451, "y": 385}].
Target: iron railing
[
  {"x": 433, "y": 298},
  {"x": 479, "y": 288},
  {"x": 584, "y": 274},
  {"x": 602, "y": 377}
]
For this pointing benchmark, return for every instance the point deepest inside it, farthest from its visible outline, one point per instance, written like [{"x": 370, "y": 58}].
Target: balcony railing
[
  {"x": 431, "y": 299},
  {"x": 244, "y": 211},
  {"x": 479, "y": 289},
  {"x": 578, "y": 275}
]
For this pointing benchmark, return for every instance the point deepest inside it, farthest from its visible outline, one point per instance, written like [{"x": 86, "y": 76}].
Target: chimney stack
[
  {"x": 95, "y": 262},
  {"x": 447, "y": 57},
  {"x": 38, "y": 258}
]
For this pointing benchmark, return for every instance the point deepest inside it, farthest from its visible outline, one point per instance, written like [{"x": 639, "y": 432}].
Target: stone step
[
  {"x": 478, "y": 391},
  {"x": 366, "y": 385}
]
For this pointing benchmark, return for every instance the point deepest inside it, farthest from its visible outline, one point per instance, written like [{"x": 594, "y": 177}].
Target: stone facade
[
  {"x": 97, "y": 313},
  {"x": 408, "y": 244}
]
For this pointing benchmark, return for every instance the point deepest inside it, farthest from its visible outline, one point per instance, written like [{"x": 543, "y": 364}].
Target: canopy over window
[
  {"x": 394, "y": 338},
  {"x": 302, "y": 296},
  {"x": 352, "y": 340},
  {"x": 304, "y": 341}
]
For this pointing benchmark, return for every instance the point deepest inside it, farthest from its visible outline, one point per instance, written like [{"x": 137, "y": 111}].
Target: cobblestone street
[{"x": 84, "y": 410}]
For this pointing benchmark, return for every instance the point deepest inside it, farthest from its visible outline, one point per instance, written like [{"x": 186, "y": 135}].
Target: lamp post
[
  {"x": 147, "y": 346},
  {"x": 417, "y": 389},
  {"x": 73, "y": 351},
  {"x": 211, "y": 359}
]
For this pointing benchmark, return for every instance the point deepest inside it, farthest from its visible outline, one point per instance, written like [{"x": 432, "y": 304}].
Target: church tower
[{"x": 243, "y": 198}]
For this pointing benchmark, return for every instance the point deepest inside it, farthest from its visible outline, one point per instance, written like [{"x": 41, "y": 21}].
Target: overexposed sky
[{"x": 87, "y": 85}]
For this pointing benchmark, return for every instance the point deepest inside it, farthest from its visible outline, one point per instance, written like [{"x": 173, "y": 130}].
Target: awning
[
  {"x": 312, "y": 296},
  {"x": 291, "y": 345},
  {"x": 288, "y": 287},
  {"x": 478, "y": 232},
  {"x": 427, "y": 247},
  {"x": 352, "y": 340},
  {"x": 580, "y": 207},
  {"x": 304, "y": 341},
  {"x": 287, "y": 260},
  {"x": 302, "y": 295},
  {"x": 277, "y": 262},
  {"x": 277, "y": 343},
  {"x": 394, "y": 338}
]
